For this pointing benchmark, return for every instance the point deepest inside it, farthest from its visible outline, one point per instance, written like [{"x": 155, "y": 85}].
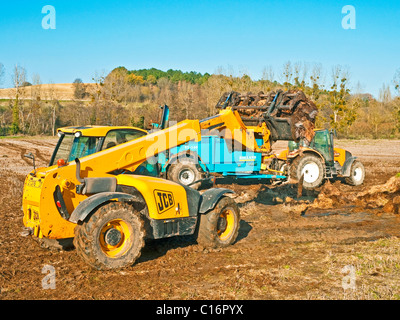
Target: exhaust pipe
[{"x": 78, "y": 171}]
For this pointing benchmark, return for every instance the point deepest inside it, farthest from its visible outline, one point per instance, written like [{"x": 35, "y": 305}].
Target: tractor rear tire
[
  {"x": 357, "y": 174},
  {"x": 112, "y": 237},
  {"x": 220, "y": 226},
  {"x": 185, "y": 172},
  {"x": 312, "y": 167}
]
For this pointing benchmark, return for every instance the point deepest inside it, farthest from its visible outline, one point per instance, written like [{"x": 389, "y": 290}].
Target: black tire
[
  {"x": 220, "y": 226},
  {"x": 185, "y": 172},
  {"x": 313, "y": 169},
  {"x": 112, "y": 237},
  {"x": 357, "y": 174}
]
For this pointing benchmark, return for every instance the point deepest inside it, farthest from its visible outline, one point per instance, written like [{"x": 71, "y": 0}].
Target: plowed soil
[{"x": 288, "y": 247}]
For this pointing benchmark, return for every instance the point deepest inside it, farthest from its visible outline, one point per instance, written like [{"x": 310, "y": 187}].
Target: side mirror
[{"x": 31, "y": 156}]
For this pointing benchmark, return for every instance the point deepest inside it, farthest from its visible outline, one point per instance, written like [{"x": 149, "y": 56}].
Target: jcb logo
[
  {"x": 164, "y": 200},
  {"x": 34, "y": 183}
]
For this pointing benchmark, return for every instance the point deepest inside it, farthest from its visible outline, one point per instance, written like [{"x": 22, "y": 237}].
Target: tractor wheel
[
  {"x": 311, "y": 167},
  {"x": 357, "y": 174},
  {"x": 112, "y": 237},
  {"x": 220, "y": 226},
  {"x": 185, "y": 172}
]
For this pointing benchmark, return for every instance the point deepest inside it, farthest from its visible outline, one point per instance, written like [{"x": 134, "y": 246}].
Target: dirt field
[
  {"x": 311, "y": 247},
  {"x": 60, "y": 91}
]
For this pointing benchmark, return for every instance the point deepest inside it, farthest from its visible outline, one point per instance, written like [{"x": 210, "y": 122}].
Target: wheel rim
[
  {"x": 115, "y": 238},
  {"x": 357, "y": 174},
  {"x": 310, "y": 172},
  {"x": 186, "y": 176},
  {"x": 226, "y": 223}
]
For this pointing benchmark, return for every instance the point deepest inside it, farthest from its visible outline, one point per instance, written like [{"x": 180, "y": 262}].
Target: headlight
[{"x": 78, "y": 134}]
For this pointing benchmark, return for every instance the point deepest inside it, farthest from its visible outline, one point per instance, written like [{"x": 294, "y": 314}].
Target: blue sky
[{"x": 96, "y": 36}]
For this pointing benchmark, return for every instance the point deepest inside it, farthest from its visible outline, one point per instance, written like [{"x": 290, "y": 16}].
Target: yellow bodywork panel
[
  {"x": 283, "y": 155},
  {"x": 96, "y": 131},
  {"x": 40, "y": 211},
  {"x": 233, "y": 130},
  {"x": 164, "y": 198},
  {"x": 339, "y": 155}
]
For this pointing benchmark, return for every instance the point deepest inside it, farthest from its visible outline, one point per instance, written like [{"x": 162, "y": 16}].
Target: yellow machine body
[{"x": 40, "y": 208}]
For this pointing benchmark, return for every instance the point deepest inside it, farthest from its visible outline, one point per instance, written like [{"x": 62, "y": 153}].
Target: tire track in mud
[
  {"x": 39, "y": 155},
  {"x": 41, "y": 143},
  {"x": 22, "y": 151}
]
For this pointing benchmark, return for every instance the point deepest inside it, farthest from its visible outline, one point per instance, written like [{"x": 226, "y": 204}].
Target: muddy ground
[{"x": 323, "y": 245}]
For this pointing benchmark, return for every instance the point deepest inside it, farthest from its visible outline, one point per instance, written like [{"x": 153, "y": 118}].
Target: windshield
[
  {"x": 70, "y": 147},
  {"x": 322, "y": 143}
]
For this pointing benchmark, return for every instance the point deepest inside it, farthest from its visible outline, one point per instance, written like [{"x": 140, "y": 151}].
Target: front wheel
[
  {"x": 311, "y": 168},
  {"x": 220, "y": 226},
  {"x": 357, "y": 174},
  {"x": 186, "y": 173},
  {"x": 112, "y": 237}
]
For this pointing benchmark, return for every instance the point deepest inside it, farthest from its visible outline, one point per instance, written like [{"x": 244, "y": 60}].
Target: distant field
[{"x": 60, "y": 91}]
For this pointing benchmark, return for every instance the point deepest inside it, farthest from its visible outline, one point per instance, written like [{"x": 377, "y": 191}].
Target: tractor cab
[{"x": 322, "y": 142}]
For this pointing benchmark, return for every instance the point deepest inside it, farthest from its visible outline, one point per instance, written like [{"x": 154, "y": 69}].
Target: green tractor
[{"x": 318, "y": 161}]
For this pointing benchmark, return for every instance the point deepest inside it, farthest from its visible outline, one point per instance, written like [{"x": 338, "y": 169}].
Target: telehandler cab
[{"x": 101, "y": 191}]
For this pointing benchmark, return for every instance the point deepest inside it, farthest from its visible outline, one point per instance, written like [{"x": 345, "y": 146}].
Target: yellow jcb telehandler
[{"x": 101, "y": 191}]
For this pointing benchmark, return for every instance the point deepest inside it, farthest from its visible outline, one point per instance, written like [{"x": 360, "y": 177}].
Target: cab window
[
  {"x": 82, "y": 147},
  {"x": 70, "y": 147},
  {"x": 116, "y": 137}
]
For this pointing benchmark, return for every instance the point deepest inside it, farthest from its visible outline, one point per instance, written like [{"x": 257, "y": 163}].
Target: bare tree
[
  {"x": 18, "y": 79},
  {"x": 79, "y": 89},
  {"x": 287, "y": 74},
  {"x": 268, "y": 74},
  {"x": 54, "y": 104},
  {"x": 300, "y": 71}
]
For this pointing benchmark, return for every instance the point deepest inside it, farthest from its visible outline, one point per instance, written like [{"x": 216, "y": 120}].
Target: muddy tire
[
  {"x": 220, "y": 226},
  {"x": 313, "y": 169},
  {"x": 185, "y": 172},
  {"x": 111, "y": 237},
  {"x": 357, "y": 174}
]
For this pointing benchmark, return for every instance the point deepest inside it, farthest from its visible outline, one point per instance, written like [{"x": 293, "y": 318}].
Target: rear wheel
[
  {"x": 185, "y": 172},
  {"x": 311, "y": 168},
  {"x": 357, "y": 174},
  {"x": 112, "y": 237},
  {"x": 220, "y": 226}
]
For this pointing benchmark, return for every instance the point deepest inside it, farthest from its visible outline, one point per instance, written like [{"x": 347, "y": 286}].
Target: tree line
[{"x": 133, "y": 97}]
